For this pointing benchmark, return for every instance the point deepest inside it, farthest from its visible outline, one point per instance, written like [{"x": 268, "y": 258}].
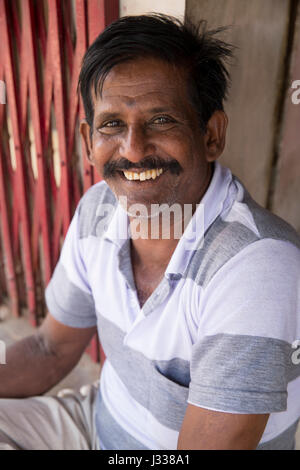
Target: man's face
[{"x": 145, "y": 126}]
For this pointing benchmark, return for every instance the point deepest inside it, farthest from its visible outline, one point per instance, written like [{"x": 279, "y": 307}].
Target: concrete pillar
[{"x": 138, "y": 7}]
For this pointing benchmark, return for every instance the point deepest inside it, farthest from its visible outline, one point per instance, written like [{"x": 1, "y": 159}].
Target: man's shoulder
[
  {"x": 97, "y": 202},
  {"x": 245, "y": 226},
  {"x": 268, "y": 224}
]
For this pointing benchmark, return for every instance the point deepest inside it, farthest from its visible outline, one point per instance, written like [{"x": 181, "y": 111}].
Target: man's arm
[
  {"x": 204, "y": 429},
  {"x": 38, "y": 362}
]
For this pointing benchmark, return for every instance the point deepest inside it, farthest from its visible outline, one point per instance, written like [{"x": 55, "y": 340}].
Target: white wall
[{"x": 139, "y": 7}]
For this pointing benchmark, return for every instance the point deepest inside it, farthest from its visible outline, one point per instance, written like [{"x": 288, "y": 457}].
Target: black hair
[{"x": 195, "y": 48}]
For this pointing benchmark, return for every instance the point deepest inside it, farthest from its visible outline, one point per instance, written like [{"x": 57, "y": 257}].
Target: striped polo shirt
[{"x": 221, "y": 331}]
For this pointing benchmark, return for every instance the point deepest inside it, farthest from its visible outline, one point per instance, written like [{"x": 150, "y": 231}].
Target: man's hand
[
  {"x": 204, "y": 429},
  {"x": 37, "y": 363}
]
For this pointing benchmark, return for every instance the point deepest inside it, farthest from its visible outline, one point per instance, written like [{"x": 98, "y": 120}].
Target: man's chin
[
  {"x": 140, "y": 207},
  {"x": 143, "y": 198}
]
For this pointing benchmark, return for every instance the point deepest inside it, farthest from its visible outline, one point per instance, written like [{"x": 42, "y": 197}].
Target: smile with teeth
[{"x": 145, "y": 175}]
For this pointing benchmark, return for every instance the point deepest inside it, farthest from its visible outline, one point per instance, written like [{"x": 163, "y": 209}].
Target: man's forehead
[
  {"x": 144, "y": 79},
  {"x": 136, "y": 86},
  {"x": 138, "y": 94},
  {"x": 152, "y": 101},
  {"x": 148, "y": 68}
]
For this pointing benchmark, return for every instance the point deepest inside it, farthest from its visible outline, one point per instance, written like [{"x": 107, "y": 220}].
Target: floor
[{"x": 12, "y": 329}]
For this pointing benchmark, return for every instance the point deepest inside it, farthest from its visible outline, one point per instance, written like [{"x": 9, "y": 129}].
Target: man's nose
[{"x": 133, "y": 145}]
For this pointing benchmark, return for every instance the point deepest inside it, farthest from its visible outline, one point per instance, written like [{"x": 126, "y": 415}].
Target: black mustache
[{"x": 149, "y": 163}]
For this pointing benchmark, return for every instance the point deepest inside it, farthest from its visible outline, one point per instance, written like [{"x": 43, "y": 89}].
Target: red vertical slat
[
  {"x": 6, "y": 232},
  {"x": 81, "y": 44},
  {"x": 41, "y": 221},
  {"x": 19, "y": 187},
  {"x": 54, "y": 80}
]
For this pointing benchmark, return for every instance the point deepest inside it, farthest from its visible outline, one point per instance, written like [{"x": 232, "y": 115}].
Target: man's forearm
[{"x": 31, "y": 368}]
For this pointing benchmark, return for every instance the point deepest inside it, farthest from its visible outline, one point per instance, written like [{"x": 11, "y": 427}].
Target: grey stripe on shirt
[
  {"x": 159, "y": 386},
  {"x": 74, "y": 304},
  {"x": 163, "y": 387},
  {"x": 258, "y": 386}
]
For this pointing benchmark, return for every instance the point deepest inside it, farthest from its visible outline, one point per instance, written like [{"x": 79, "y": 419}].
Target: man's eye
[
  {"x": 162, "y": 120},
  {"x": 112, "y": 124}
]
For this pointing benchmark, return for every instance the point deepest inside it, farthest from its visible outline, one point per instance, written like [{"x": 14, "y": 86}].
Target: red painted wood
[
  {"x": 20, "y": 204},
  {"x": 40, "y": 59},
  {"x": 6, "y": 235},
  {"x": 41, "y": 196}
]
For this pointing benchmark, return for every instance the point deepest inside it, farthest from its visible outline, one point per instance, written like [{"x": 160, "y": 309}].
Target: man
[{"x": 199, "y": 332}]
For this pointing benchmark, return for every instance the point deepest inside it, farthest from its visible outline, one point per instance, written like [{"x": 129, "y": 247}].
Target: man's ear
[
  {"x": 215, "y": 135},
  {"x": 85, "y": 132}
]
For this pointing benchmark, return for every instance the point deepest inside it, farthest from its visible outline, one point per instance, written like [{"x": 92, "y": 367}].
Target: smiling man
[
  {"x": 146, "y": 142},
  {"x": 198, "y": 330}
]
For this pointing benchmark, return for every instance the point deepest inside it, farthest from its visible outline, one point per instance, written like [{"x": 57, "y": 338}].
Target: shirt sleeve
[
  {"x": 68, "y": 295},
  {"x": 242, "y": 359}
]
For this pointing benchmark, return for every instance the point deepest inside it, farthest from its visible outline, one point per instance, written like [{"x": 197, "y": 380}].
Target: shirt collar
[
  {"x": 118, "y": 228},
  {"x": 209, "y": 208}
]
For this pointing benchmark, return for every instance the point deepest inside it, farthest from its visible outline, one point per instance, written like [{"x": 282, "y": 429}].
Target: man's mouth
[{"x": 143, "y": 175}]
